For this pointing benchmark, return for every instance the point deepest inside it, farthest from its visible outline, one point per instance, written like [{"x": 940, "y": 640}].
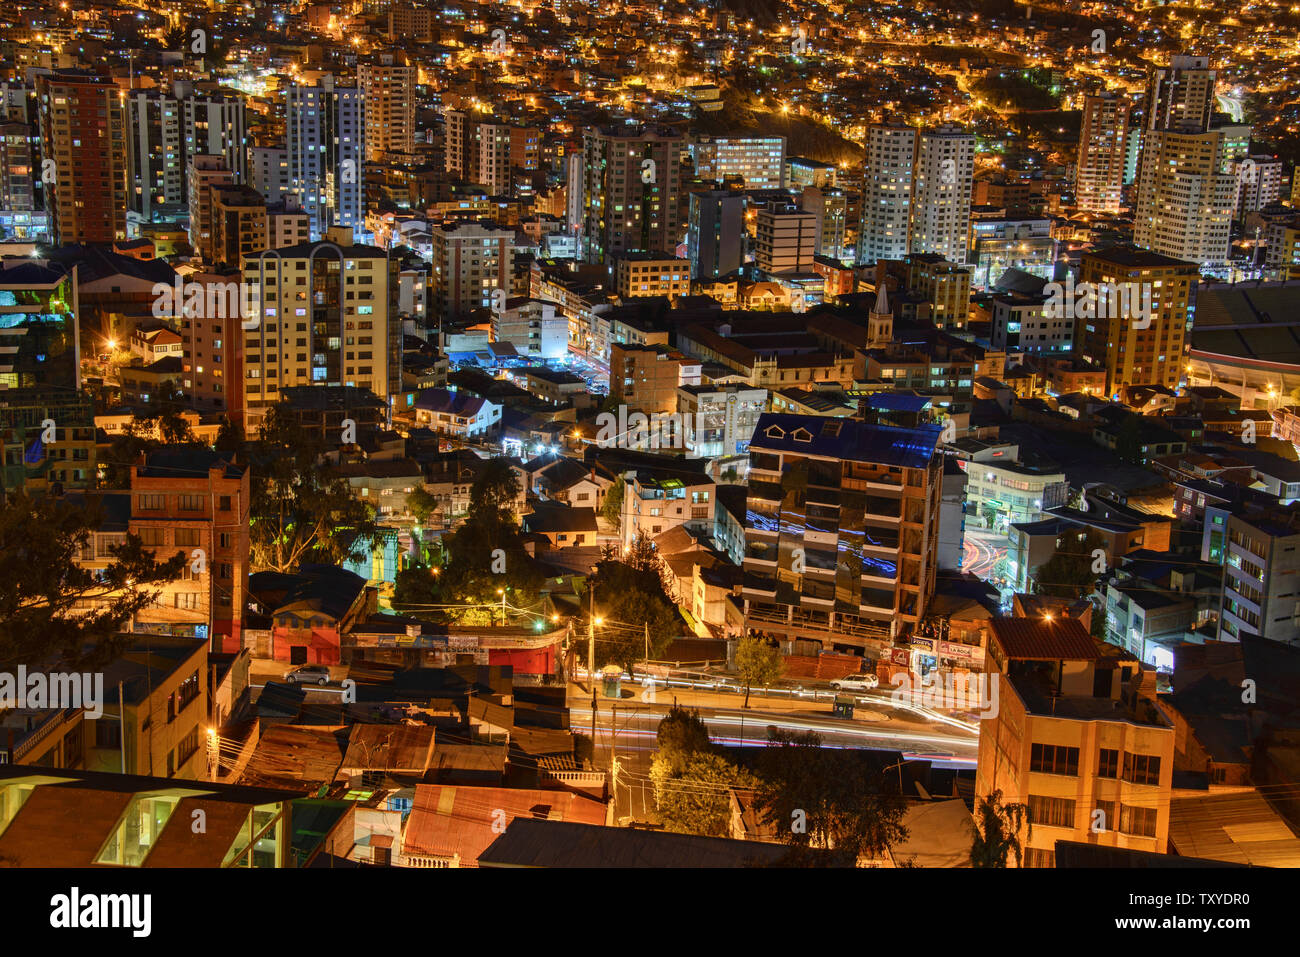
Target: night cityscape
[{"x": 746, "y": 434}]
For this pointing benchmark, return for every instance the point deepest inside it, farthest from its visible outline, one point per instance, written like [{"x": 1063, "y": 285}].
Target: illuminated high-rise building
[
  {"x": 388, "y": 94},
  {"x": 941, "y": 193},
  {"x": 324, "y": 139},
  {"x": 630, "y": 194},
  {"x": 1103, "y": 148},
  {"x": 83, "y": 144},
  {"x": 886, "y": 193}
]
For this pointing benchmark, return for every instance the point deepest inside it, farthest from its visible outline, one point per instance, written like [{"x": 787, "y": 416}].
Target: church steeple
[{"x": 880, "y": 323}]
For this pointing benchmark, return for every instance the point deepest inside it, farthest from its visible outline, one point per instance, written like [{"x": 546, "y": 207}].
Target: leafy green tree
[
  {"x": 421, "y": 503},
  {"x": 42, "y": 620},
  {"x": 630, "y": 595},
  {"x": 612, "y": 508},
  {"x": 697, "y": 801},
  {"x": 828, "y": 799},
  {"x": 417, "y": 584},
  {"x": 997, "y": 831},
  {"x": 1071, "y": 572},
  {"x": 681, "y": 734},
  {"x": 758, "y": 662},
  {"x": 302, "y": 510},
  {"x": 692, "y": 778},
  {"x": 486, "y": 551}
]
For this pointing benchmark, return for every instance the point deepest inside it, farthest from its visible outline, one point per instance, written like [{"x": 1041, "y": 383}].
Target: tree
[
  {"x": 42, "y": 620},
  {"x": 990, "y": 513},
  {"x": 302, "y": 509},
  {"x": 417, "y": 585},
  {"x": 692, "y": 780},
  {"x": 681, "y": 734},
  {"x": 698, "y": 800},
  {"x": 421, "y": 503},
  {"x": 230, "y": 438},
  {"x": 486, "y": 551},
  {"x": 1072, "y": 571},
  {"x": 611, "y": 510},
  {"x": 630, "y": 595},
  {"x": 997, "y": 831},
  {"x": 758, "y": 663},
  {"x": 817, "y": 798},
  {"x": 124, "y": 451}
]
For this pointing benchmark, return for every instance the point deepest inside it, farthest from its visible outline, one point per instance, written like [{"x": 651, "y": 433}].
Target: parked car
[
  {"x": 855, "y": 683},
  {"x": 308, "y": 674}
]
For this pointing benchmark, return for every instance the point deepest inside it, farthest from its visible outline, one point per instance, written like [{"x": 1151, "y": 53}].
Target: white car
[
  {"x": 309, "y": 674},
  {"x": 856, "y": 683}
]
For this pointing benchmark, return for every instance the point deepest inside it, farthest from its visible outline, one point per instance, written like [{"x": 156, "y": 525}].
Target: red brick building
[{"x": 195, "y": 501}]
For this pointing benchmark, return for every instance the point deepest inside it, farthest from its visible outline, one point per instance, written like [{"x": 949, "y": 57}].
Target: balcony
[{"x": 826, "y": 625}]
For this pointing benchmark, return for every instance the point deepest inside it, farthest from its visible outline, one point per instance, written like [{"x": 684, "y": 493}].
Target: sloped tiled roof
[
  {"x": 466, "y": 820},
  {"x": 1037, "y": 639}
]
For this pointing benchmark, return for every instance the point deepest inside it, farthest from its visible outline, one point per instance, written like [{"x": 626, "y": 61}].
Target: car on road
[
  {"x": 855, "y": 683},
  {"x": 308, "y": 674}
]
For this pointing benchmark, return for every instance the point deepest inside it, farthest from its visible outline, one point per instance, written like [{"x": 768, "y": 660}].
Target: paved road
[
  {"x": 628, "y": 729},
  {"x": 982, "y": 551}
]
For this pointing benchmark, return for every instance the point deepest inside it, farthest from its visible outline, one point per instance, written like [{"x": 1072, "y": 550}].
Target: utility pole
[
  {"x": 591, "y": 639},
  {"x": 591, "y": 657},
  {"x": 647, "y": 646},
  {"x": 613, "y": 765}
]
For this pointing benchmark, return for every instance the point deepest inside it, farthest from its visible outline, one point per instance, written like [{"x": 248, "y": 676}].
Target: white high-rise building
[
  {"x": 164, "y": 134},
  {"x": 1259, "y": 183},
  {"x": 215, "y": 124},
  {"x": 886, "y": 193},
  {"x": 156, "y": 160},
  {"x": 941, "y": 192},
  {"x": 268, "y": 172},
  {"x": 325, "y": 142},
  {"x": 1187, "y": 193}
]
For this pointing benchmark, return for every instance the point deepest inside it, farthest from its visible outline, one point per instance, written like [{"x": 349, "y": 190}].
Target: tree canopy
[
  {"x": 40, "y": 618},
  {"x": 997, "y": 831},
  {"x": 1073, "y": 570},
  {"x": 692, "y": 779},
  {"x": 630, "y": 597},
  {"x": 486, "y": 551},
  {"x": 758, "y": 662},
  {"x": 820, "y": 798},
  {"x": 302, "y": 509}
]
